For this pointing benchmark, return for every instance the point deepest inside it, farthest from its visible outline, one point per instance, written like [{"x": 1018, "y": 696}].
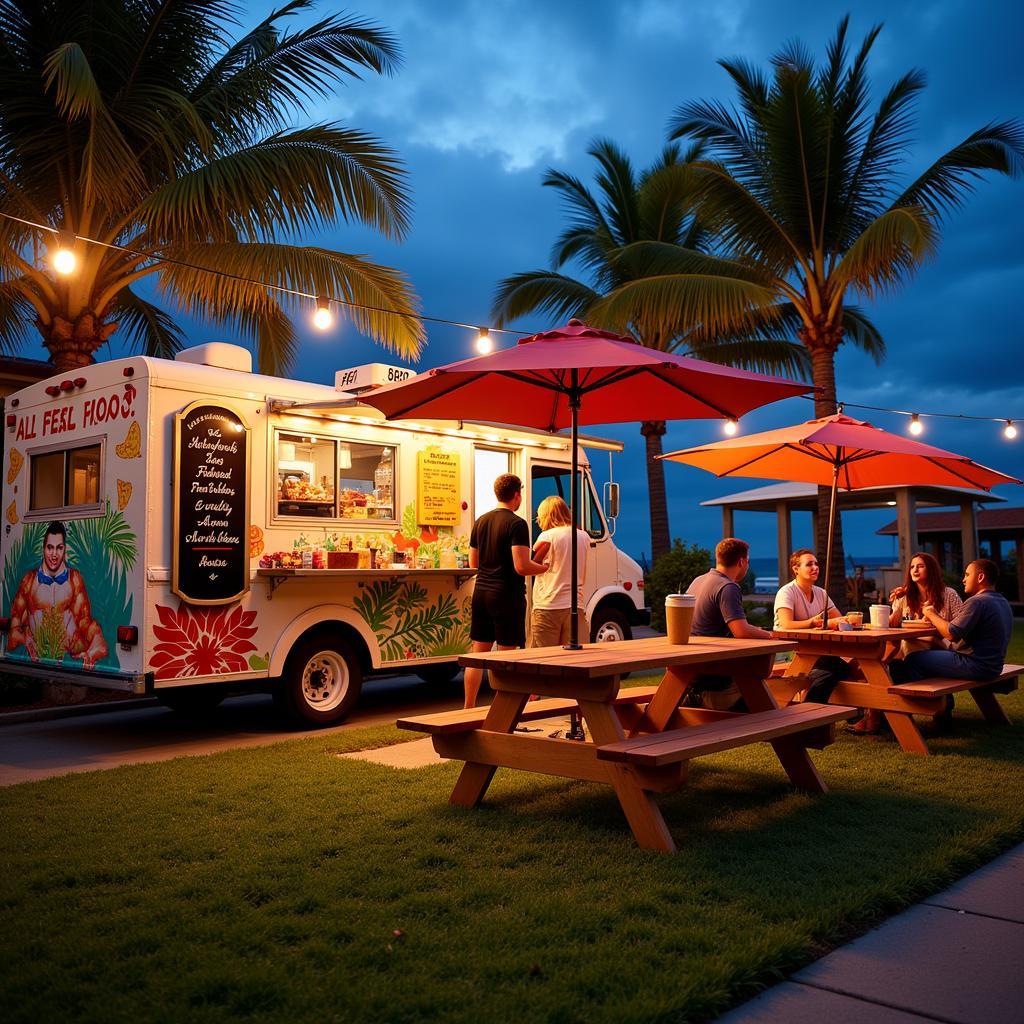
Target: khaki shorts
[{"x": 550, "y": 627}]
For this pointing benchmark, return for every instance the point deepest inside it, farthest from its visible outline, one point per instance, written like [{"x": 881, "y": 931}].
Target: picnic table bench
[
  {"x": 640, "y": 738},
  {"x": 875, "y": 689}
]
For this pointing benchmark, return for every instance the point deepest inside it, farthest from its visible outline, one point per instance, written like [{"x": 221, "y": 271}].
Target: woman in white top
[
  {"x": 801, "y": 605},
  {"x": 552, "y": 592}
]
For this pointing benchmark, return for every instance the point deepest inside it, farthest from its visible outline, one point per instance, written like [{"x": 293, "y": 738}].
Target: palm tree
[
  {"x": 149, "y": 128},
  {"x": 629, "y": 230},
  {"x": 803, "y": 191}
]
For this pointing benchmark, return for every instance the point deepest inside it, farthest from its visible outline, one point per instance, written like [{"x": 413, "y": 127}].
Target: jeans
[
  {"x": 946, "y": 664},
  {"x": 827, "y": 674}
]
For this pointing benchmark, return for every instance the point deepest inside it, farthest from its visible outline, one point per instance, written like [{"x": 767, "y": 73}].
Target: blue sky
[{"x": 491, "y": 94}]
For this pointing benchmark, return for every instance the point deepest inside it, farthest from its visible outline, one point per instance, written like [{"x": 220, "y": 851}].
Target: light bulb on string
[
  {"x": 1009, "y": 431},
  {"x": 916, "y": 426},
  {"x": 64, "y": 259},
  {"x": 484, "y": 341},
  {"x": 322, "y": 318},
  {"x": 730, "y": 426}
]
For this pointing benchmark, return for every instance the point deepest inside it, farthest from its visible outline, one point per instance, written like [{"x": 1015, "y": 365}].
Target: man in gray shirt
[{"x": 718, "y": 611}]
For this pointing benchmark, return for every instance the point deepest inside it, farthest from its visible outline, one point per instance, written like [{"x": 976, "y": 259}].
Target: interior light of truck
[
  {"x": 5, "y": 624},
  {"x": 127, "y": 636}
]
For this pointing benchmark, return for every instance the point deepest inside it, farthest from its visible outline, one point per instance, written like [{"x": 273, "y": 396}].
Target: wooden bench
[
  {"x": 446, "y": 723},
  {"x": 665, "y": 748},
  {"x": 982, "y": 690}
]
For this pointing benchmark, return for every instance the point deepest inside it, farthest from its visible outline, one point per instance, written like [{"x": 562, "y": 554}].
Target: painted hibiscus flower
[{"x": 201, "y": 642}]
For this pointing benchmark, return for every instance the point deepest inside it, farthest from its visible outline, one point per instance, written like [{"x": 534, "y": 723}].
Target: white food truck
[{"x": 187, "y": 527}]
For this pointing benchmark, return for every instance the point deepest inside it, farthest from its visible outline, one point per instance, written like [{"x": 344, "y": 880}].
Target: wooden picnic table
[
  {"x": 899, "y": 702},
  {"x": 868, "y": 646},
  {"x": 640, "y": 739}
]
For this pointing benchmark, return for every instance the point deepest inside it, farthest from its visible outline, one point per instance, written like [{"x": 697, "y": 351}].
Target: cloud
[{"x": 723, "y": 21}]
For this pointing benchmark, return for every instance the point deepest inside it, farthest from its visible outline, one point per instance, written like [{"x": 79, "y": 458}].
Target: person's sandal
[{"x": 869, "y": 725}]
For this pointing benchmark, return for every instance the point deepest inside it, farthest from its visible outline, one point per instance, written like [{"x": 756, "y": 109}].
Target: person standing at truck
[
  {"x": 499, "y": 548},
  {"x": 550, "y": 622}
]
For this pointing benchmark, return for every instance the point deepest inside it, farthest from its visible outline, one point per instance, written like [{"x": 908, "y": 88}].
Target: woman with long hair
[{"x": 552, "y": 592}]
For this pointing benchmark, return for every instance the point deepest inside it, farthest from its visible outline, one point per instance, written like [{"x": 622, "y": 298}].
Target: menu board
[
  {"x": 211, "y": 505},
  {"x": 437, "y": 487}
]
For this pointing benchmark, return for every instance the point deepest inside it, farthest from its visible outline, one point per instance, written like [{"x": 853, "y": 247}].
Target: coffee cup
[
  {"x": 879, "y": 616},
  {"x": 855, "y": 619},
  {"x": 679, "y": 617}
]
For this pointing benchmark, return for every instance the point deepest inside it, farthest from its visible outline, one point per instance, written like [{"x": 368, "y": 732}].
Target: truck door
[{"x": 546, "y": 480}]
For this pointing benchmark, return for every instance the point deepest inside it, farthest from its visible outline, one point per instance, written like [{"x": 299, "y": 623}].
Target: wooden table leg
[
  {"x": 474, "y": 778},
  {"x": 990, "y": 707},
  {"x": 670, "y": 692},
  {"x": 642, "y": 813},
  {"x": 750, "y": 679},
  {"x": 801, "y": 664},
  {"x": 903, "y": 726}
]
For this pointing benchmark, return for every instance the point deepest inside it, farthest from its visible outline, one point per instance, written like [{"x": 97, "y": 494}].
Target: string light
[
  {"x": 730, "y": 426},
  {"x": 64, "y": 259},
  {"x": 916, "y": 426},
  {"x": 1009, "y": 431},
  {"x": 322, "y": 318},
  {"x": 484, "y": 341}
]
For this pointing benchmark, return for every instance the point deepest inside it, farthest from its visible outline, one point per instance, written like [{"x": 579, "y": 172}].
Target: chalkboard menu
[{"x": 211, "y": 505}]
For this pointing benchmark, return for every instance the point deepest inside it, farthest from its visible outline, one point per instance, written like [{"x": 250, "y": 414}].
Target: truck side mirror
[{"x": 611, "y": 499}]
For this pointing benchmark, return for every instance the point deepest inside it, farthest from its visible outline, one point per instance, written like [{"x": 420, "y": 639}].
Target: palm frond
[
  {"x": 150, "y": 330},
  {"x": 861, "y": 332},
  {"x": 946, "y": 184},
  {"x": 541, "y": 291},
  {"x": 761, "y": 354}
]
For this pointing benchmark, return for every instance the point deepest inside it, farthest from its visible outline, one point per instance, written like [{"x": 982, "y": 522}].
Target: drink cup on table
[
  {"x": 879, "y": 616},
  {"x": 679, "y": 617},
  {"x": 855, "y": 619}
]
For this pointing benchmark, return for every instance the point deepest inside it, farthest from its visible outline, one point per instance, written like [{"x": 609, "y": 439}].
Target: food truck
[{"x": 187, "y": 528}]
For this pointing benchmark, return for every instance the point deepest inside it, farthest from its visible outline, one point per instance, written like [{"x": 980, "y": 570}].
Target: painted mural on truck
[{"x": 66, "y": 581}]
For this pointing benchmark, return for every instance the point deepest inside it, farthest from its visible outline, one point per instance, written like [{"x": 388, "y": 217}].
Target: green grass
[{"x": 268, "y": 884}]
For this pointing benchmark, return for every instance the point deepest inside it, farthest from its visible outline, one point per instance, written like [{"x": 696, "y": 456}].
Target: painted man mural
[{"x": 50, "y": 615}]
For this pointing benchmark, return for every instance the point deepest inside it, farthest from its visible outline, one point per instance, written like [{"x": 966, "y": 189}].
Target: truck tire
[
  {"x": 609, "y": 625},
  {"x": 439, "y": 675},
  {"x": 321, "y": 683},
  {"x": 194, "y": 701}
]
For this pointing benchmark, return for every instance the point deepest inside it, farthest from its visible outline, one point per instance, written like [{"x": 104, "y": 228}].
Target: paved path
[
  {"x": 957, "y": 957},
  {"x": 38, "y": 750}
]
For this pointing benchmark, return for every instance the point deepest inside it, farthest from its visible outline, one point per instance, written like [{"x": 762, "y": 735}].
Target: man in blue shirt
[{"x": 981, "y": 632}]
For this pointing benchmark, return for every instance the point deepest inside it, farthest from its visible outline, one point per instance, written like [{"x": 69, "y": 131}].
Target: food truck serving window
[
  {"x": 65, "y": 479},
  {"x": 328, "y": 478}
]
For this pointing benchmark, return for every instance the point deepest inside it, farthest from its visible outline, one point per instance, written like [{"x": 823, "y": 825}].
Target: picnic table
[
  {"x": 876, "y": 690},
  {"x": 640, "y": 739}
]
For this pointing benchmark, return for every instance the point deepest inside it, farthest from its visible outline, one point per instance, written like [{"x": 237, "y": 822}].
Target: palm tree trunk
[
  {"x": 72, "y": 345},
  {"x": 824, "y": 371},
  {"x": 661, "y": 542}
]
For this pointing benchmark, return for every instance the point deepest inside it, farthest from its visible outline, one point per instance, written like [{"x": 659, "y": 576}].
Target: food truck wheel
[
  {"x": 192, "y": 700},
  {"x": 322, "y": 680},
  {"x": 438, "y": 675},
  {"x": 609, "y": 624}
]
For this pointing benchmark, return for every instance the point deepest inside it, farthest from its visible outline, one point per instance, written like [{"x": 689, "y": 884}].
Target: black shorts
[{"x": 498, "y": 619}]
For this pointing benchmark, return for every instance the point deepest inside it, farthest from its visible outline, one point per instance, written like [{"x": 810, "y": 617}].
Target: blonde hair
[{"x": 553, "y": 512}]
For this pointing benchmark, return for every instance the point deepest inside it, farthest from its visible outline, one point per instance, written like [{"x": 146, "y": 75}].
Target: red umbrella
[
  {"x": 575, "y": 375},
  {"x": 841, "y": 452}
]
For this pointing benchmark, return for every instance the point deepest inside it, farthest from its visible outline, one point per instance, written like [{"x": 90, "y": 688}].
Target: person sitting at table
[
  {"x": 923, "y": 585},
  {"x": 718, "y": 611},
  {"x": 552, "y": 592},
  {"x": 802, "y": 605},
  {"x": 980, "y": 633}
]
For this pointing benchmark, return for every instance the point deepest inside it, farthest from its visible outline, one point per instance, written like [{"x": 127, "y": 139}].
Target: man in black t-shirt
[{"x": 499, "y": 547}]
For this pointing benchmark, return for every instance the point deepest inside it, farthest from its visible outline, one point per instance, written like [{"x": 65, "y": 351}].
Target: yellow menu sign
[{"x": 437, "y": 487}]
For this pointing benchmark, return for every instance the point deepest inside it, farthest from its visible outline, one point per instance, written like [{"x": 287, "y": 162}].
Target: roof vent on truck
[
  {"x": 370, "y": 376},
  {"x": 218, "y": 353}
]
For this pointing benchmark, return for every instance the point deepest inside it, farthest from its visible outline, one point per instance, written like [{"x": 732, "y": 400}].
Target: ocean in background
[{"x": 770, "y": 566}]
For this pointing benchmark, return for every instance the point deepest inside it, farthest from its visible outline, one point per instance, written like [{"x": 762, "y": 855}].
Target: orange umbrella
[{"x": 840, "y": 452}]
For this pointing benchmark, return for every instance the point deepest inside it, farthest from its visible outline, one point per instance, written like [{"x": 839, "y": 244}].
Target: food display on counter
[
  {"x": 371, "y": 550},
  {"x": 294, "y": 489}
]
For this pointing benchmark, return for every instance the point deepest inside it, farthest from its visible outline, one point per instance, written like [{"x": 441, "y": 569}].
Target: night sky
[{"x": 490, "y": 95}]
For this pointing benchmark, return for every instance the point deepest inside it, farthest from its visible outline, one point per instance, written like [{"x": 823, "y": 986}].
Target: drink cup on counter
[
  {"x": 855, "y": 619},
  {"x": 879, "y": 616},
  {"x": 679, "y": 617}
]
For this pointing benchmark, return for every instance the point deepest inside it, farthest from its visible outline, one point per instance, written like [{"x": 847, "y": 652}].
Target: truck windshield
[{"x": 549, "y": 480}]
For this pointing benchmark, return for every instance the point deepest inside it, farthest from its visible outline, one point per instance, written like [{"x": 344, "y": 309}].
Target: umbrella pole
[
  {"x": 831, "y": 528},
  {"x": 574, "y": 406}
]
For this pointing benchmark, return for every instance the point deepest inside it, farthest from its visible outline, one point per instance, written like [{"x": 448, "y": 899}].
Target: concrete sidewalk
[{"x": 957, "y": 957}]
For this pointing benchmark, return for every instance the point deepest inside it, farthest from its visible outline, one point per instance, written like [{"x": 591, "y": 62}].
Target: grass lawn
[{"x": 285, "y": 884}]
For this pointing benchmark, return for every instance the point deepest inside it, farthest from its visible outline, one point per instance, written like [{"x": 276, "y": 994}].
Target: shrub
[{"x": 672, "y": 574}]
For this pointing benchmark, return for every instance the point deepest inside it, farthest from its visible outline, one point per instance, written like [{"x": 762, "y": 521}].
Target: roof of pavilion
[
  {"x": 804, "y": 497},
  {"x": 1011, "y": 519}
]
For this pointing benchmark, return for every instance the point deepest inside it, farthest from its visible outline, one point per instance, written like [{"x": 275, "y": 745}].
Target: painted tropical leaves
[
  {"x": 202, "y": 642},
  {"x": 409, "y": 625}
]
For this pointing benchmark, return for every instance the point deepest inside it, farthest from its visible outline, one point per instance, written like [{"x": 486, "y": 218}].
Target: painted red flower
[
  {"x": 427, "y": 535},
  {"x": 201, "y": 642}
]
